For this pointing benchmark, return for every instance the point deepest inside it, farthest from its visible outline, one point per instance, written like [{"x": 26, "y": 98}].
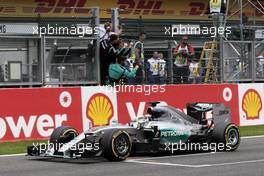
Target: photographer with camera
[{"x": 183, "y": 54}]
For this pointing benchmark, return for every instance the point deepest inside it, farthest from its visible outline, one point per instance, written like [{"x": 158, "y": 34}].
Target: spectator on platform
[
  {"x": 118, "y": 74},
  {"x": 194, "y": 77},
  {"x": 106, "y": 31},
  {"x": 162, "y": 69},
  {"x": 130, "y": 62},
  {"x": 216, "y": 11},
  {"x": 216, "y": 6},
  {"x": 152, "y": 69},
  {"x": 110, "y": 49},
  {"x": 155, "y": 68},
  {"x": 105, "y": 46},
  {"x": 138, "y": 57},
  {"x": 183, "y": 53}
]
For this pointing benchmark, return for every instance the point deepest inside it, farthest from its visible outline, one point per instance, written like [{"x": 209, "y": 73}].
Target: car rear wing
[{"x": 198, "y": 111}]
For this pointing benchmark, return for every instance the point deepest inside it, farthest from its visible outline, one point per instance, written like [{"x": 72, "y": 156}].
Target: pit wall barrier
[{"x": 28, "y": 114}]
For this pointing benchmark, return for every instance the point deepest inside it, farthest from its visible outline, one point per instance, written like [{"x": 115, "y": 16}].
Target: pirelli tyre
[
  {"x": 116, "y": 145},
  {"x": 61, "y": 135},
  {"x": 229, "y": 135}
]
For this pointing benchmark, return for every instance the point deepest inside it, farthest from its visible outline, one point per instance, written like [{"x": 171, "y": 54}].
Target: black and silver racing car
[{"x": 162, "y": 129}]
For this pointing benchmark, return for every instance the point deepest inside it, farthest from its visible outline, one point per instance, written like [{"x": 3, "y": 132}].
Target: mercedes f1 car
[{"x": 154, "y": 133}]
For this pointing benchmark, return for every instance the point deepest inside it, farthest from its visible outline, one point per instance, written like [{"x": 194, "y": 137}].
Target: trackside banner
[
  {"x": 34, "y": 113},
  {"x": 131, "y": 9},
  {"x": 132, "y": 103},
  {"x": 28, "y": 114}
]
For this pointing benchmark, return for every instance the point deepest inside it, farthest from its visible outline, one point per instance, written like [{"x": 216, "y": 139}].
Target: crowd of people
[{"x": 124, "y": 62}]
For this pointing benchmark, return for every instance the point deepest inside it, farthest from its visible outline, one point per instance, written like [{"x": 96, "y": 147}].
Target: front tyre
[
  {"x": 62, "y": 135},
  {"x": 116, "y": 145}
]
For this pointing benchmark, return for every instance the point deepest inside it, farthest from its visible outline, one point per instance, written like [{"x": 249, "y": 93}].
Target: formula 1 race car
[{"x": 163, "y": 127}]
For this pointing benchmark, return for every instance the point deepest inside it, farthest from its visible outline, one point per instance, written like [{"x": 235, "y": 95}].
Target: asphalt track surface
[{"x": 248, "y": 160}]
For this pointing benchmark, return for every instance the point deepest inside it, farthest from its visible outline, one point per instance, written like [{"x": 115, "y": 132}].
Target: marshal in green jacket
[{"x": 116, "y": 71}]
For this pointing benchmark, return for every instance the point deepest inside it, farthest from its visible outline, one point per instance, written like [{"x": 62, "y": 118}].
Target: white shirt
[
  {"x": 103, "y": 34},
  {"x": 180, "y": 60},
  {"x": 157, "y": 66}
]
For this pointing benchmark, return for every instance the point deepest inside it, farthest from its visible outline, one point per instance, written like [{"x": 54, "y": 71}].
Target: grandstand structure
[
  {"x": 242, "y": 58},
  {"x": 31, "y": 59}
]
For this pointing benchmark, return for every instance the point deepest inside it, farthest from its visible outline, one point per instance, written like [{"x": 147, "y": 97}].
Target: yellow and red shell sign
[
  {"x": 99, "y": 109},
  {"x": 251, "y": 104}
]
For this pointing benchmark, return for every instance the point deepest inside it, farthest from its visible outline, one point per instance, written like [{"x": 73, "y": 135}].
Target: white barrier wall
[{"x": 28, "y": 114}]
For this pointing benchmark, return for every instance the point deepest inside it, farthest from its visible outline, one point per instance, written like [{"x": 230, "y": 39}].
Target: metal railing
[
  {"x": 71, "y": 60},
  {"x": 49, "y": 60},
  {"x": 75, "y": 61},
  {"x": 196, "y": 69},
  {"x": 243, "y": 61},
  {"x": 67, "y": 72},
  {"x": 236, "y": 61}
]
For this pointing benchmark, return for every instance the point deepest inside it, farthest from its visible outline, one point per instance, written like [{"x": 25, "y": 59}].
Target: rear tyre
[
  {"x": 116, "y": 145},
  {"x": 62, "y": 135},
  {"x": 228, "y": 135},
  {"x": 232, "y": 137}
]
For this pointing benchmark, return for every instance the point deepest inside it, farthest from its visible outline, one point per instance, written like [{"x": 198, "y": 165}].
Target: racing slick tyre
[
  {"x": 227, "y": 134},
  {"x": 116, "y": 145},
  {"x": 61, "y": 135}
]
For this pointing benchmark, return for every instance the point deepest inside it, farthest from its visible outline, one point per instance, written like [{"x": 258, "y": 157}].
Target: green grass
[
  {"x": 17, "y": 147},
  {"x": 252, "y": 130},
  {"x": 21, "y": 146}
]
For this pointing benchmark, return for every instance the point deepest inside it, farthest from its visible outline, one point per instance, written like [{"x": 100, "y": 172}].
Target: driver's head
[{"x": 155, "y": 112}]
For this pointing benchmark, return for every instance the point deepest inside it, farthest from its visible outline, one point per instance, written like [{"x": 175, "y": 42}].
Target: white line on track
[
  {"x": 174, "y": 156},
  {"x": 144, "y": 160},
  {"x": 235, "y": 163},
  {"x": 194, "y": 166},
  {"x": 20, "y": 154},
  {"x": 252, "y": 137},
  {"x": 166, "y": 164}
]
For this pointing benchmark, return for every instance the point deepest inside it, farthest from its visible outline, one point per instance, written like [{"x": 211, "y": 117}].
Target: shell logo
[
  {"x": 99, "y": 109},
  {"x": 252, "y": 104}
]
